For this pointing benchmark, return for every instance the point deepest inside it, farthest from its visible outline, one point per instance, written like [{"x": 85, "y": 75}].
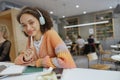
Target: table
[
  {"x": 117, "y": 59},
  {"x": 74, "y": 74},
  {"x": 32, "y": 73},
  {"x": 116, "y": 47},
  {"x": 115, "y": 51},
  {"x": 89, "y": 74}
]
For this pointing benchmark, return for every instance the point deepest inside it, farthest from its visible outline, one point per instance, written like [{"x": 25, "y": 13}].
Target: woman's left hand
[{"x": 31, "y": 63}]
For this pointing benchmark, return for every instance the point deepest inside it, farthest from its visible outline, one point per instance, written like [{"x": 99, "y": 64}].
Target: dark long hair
[{"x": 33, "y": 11}]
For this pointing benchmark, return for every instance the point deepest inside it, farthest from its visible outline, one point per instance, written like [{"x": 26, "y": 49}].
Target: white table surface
[
  {"x": 75, "y": 74},
  {"x": 115, "y": 51},
  {"x": 31, "y": 76},
  {"x": 116, "y": 57},
  {"x": 89, "y": 74},
  {"x": 115, "y": 46}
]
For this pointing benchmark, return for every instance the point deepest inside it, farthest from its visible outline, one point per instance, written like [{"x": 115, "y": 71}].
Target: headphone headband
[{"x": 41, "y": 18}]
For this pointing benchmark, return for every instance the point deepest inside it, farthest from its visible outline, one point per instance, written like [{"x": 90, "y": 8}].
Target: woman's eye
[
  {"x": 31, "y": 23},
  {"x": 24, "y": 25}
]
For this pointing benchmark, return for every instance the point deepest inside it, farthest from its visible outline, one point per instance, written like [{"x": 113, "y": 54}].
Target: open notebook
[{"x": 12, "y": 70}]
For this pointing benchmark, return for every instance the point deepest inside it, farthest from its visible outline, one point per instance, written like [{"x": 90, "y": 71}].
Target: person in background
[
  {"x": 91, "y": 39},
  {"x": 5, "y": 44},
  {"x": 91, "y": 43},
  {"x": 45, "y": 48},
  {"x": 68, "y": 41},
  {"x": 80, "y": 42}
]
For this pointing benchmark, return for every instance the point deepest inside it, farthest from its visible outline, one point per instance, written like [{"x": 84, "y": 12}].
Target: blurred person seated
[
  {"x": 68, "y": 41},
  {"x": 80, "y": 42},
  {"x": 91, "y": 39},
  {"x": 91, "y": 43},
  {"x": 5, "y": 44}
]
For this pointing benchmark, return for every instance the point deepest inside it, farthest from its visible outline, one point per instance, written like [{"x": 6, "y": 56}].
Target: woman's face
[{"x": 30, "y": 24}]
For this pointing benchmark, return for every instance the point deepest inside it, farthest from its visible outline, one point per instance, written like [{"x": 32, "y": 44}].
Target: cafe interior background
[{"x": 70, "y": 17}]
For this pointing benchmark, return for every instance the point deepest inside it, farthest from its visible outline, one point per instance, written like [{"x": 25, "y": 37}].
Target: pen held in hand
[{"x": 31, "y": 42}]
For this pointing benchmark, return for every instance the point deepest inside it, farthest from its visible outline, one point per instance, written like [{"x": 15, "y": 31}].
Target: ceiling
[{"x": 67, "y": 7}]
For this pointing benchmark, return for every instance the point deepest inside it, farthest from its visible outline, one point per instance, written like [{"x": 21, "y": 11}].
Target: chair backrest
[
  {"x": 102, "y": 51},
  {"x": 92, "y": 56}
]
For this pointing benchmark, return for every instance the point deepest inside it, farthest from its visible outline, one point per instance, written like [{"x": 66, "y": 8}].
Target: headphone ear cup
[{"x": 42, "y": 20}]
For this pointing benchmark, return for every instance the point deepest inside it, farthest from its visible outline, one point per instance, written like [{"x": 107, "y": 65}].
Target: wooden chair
[
  {"x": 92, "y": 57},
  {"x": 104, "y": 58}
]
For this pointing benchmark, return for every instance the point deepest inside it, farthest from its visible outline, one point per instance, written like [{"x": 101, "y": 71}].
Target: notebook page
[{"x": 13, "y": 70}]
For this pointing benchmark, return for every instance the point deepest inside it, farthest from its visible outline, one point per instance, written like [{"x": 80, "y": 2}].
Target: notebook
[
  {"x": 31, "y": 69},
  {"x": 2, "y": 67},
  {"x": 13, "y": 70}
]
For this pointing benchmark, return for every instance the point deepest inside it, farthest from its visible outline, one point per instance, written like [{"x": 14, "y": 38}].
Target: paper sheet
[{"x": 13, "y": 70}]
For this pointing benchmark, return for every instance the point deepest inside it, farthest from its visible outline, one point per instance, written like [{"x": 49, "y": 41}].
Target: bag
[{"x": 92, "y": 56}]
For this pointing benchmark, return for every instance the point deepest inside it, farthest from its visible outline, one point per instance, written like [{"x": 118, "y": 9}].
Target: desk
[
  {"x": 75, "y": 74},
  {"x": 117, "y": 59},
  {"x": 31, "y": 73},
  {"x": 116, "y": 47},
  {"x": 89, "y": 74},
  {"x": 31, "y": 76},
  {"x": 115, "y": 51}
]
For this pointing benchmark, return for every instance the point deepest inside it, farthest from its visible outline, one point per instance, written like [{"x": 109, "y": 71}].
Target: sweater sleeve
[{"x": 63, "y": 57}]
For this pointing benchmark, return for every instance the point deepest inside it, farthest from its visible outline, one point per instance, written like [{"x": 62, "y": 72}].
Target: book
[{"x": 31, "y": 69}]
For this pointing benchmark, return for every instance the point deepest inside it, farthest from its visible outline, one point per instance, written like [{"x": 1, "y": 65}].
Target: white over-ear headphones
[{"x": 41, "y": 18}]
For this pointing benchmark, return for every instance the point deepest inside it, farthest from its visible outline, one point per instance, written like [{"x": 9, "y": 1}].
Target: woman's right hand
[{"x": 28, "y": 54}]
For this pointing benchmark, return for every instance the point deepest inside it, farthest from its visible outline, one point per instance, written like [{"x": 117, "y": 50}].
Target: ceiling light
[
  {"x": 110, "y": 7},
  {"x": 77, "y": 6},
  {"x": 51, "y": 12},
  {"x": 84, "y": 12},
  {"x": 63, "y": 16},
  {"x": 86, "y": 24}
]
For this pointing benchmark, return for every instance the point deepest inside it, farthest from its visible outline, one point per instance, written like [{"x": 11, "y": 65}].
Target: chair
[
  {"x": 93, "y": 62},
  {"x": 105, "y": 55},
  {"x": 74, "y": 49}
]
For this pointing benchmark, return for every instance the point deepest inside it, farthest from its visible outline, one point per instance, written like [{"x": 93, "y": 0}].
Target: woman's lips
[{"x": 29, "y": 32}]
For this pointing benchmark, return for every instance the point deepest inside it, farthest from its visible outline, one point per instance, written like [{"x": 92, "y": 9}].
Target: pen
[{"x": 31, "y": 41}]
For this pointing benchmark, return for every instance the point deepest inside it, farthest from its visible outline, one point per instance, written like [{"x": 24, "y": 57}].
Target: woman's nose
[{"x": 28, "y": 27}]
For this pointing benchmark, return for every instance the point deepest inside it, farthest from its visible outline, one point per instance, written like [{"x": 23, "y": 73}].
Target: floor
[{"x": 82, "y": 62}]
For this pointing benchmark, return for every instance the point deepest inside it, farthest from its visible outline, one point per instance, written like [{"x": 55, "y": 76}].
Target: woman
[
  {"x": 4, "y": 44},
  {"x": 45, "y": 48}
]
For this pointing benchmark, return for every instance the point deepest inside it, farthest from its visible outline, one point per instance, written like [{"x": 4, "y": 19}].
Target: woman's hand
[{"x": 28, "y": 54}]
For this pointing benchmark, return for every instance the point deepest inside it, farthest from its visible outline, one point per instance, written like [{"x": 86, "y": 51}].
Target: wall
[
  {"x": 84, "y": 30},
  {"x": 116, "y": 22}
]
